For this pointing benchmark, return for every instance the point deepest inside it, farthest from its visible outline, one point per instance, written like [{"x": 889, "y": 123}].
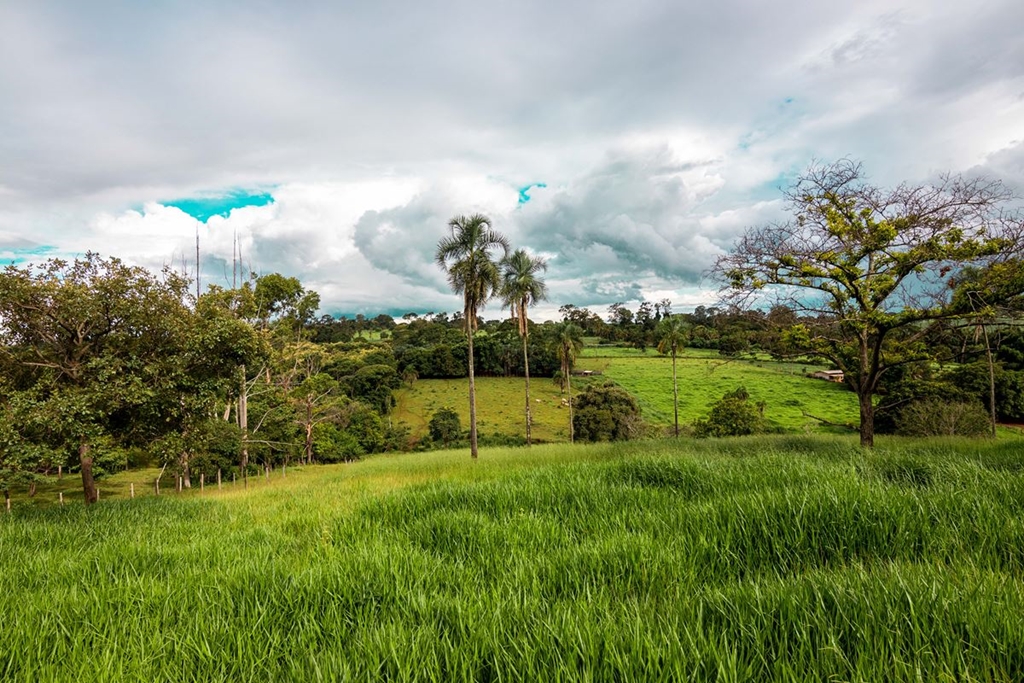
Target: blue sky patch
[
  {"x": 203, "y": 208},
  {"x": 524, "y": 192},
  {"x": 21, "y": 255}
]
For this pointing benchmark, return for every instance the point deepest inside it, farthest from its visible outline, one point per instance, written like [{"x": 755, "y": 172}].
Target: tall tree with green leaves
[
  {"x": 671, "y": 339},
  {"x": 95, "y": 331},
  {"x": 521, "y": 287},
  {"x": 568, "y": 344},
  {"x": 466, "y": 257},
  {"x": 870, "y": 269}
]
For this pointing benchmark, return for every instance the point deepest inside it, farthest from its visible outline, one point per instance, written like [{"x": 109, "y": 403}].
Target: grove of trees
[{"x": 914, "y": 292}]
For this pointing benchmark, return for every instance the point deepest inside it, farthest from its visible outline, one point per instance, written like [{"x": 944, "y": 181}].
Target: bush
[
  {"x": 445, "y": 426},
  {"x": 733, "y": 415},
  {"x": 605, "y": 412},
  {"x": 934, "y": 417},
  {"x": 331, "y": 444},
  {"x": 218, "y": 444}
]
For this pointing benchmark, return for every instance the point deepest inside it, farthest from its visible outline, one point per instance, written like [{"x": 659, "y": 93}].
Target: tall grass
[{"x": 788, "y": 558}]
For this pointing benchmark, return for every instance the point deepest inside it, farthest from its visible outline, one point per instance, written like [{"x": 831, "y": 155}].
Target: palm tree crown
[
  {"x": 671, "y": 336},
  {"x": 569, "y": 343},
  {"x": 465, "y": 256},
  {"x": 520, "y": 286}
]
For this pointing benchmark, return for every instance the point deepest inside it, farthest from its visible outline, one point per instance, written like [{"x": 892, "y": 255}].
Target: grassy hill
[
  {"x": 705, "y": 376},
  {"x": 785, "y": 558},
  {"x": 499, "y": 405}
]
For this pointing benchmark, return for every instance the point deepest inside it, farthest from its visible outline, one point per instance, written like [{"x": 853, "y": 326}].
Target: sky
[{"x": 628, "y": 143}]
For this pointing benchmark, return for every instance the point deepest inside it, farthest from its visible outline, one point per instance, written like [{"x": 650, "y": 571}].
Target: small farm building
[{"x": 829, "y": 375}]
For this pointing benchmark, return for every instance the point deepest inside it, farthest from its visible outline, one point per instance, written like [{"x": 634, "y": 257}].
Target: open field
[
  {"x": 704, "y": 377},
  {"x": 499, "y": 405},
  {"x": 784, "y": 558}
]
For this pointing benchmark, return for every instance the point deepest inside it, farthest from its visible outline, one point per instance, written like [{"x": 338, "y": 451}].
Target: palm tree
[
  {"x": 568, "y": 344},
  {"x": 465, "y": 256},
  {"x": 520, "y": 289},
  {"x": 672, "y": 338}
]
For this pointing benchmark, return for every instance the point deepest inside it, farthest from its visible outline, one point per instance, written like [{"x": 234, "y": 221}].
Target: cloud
[
  {"x": 636, "y": 213},
  {"x": 646, "y": 136}
]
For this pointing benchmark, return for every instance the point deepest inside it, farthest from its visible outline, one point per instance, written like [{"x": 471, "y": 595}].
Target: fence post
[
  {"x": 60, "y": 496},
  {"x": 156, "y": 485},
  {"x": 133, "y": 489},
  {"x": 218, "y": 478},
  {"x": 202, "y": 482}
]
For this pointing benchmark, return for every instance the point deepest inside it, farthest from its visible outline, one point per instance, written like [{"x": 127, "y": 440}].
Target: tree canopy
[{"x": 870, "y": 268}]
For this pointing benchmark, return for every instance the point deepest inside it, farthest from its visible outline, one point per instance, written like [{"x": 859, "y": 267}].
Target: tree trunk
[
  {"x": 991, "y": 380},
  {"x": 85, "y": 461},
  {"x": 472, "y": 393},
  {"x": 526, "y": 366},
  {"x": 867, "y": 420},
  {"x": 865, "y": 391},
  {"x": 675, "y": 393},
  {"x": 186, "y": 472},
  {"x": 243, "y": 425},
  {"x": 309, "y": 442}
]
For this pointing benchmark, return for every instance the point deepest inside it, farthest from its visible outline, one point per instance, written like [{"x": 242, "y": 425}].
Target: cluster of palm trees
[{"x": 469, "y": 256}]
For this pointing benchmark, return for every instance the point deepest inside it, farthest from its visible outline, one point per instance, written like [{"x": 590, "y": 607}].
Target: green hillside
[
  {"x": 785, "y": 558},
  {"x": 499, "y": 405},
  {"x": 703, "y": 378}
]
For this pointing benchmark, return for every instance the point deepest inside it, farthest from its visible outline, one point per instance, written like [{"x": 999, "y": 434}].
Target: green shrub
[
  {"x": 332, "y": 444},
  {"x": 445, "y": 426},
  {"x": 606, "y": 412},
  {"x": 733, "y": 415}
]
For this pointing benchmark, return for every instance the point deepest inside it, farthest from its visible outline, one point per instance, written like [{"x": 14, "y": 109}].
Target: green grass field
[
  {"x": 785, "y": 558},
  {"x": 500, "y": 405},
  {"x": 704, "y": 377}
]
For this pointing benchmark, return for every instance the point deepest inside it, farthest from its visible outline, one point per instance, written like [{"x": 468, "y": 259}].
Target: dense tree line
[{"x": 106, "y": 364}]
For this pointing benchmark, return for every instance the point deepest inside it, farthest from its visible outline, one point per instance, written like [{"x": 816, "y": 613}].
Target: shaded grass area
[
  {"x": 783, "y": 558},
  {"x": 500, "y": 405},
  {"x": 703, "y": 379}
]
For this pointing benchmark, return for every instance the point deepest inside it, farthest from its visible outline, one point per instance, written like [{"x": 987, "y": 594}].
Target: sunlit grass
[
  {"x": 775, "y": 558},
  {"x": 704, "y": 378},
  {"x": 500, "y": 404}
]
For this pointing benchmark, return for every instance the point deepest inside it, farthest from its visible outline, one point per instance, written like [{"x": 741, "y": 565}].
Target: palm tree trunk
[
  {"x": 675, "y": 392},
  {"x": 472, "y": 393},
  {"x": 526, "y": 366},
  {"x": 568, "y": 384}
]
